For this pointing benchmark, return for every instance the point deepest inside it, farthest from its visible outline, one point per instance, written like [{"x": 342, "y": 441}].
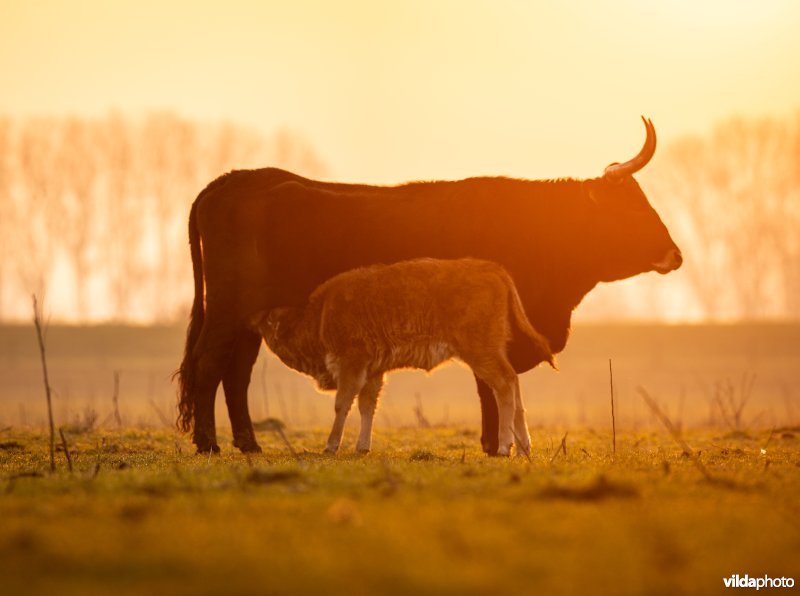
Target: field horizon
[{"x": 700, "y": 373}]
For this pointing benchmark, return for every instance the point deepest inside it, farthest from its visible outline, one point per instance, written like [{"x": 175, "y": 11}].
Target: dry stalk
[
  {"x": 285, "y": 439},
  {"x": 769, "y": 438},
  {"x": 561, "y": 447},
  {"x": 675, "y": 433},
  {"x": 159, "y": 413},
  {"x": 66, "y": 449},
  {"x": 613, "y": 419},
  {"x": 527, "y": 453},
  {"x": 422, "y": 421},
  {"x": 37, "y": 321},
  {"x": 115, "y": 400}
]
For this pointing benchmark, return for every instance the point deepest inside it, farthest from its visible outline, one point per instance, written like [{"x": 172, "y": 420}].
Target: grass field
[{"x": 425, "y": 512}]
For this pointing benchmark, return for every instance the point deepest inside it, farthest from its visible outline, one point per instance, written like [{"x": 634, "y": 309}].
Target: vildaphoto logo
[{"x": 745, "y": 581}]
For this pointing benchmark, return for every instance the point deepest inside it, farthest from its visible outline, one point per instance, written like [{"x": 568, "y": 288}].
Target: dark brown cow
[
  {"x": 266, "y": 238},
  {"x": 361, "y": 324}
]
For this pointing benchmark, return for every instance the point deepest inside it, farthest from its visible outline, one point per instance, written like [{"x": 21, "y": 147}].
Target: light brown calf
[{"x": 363, "y": 323}]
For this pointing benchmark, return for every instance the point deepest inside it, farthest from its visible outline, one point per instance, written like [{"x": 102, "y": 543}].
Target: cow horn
[{"x": 618, "y": 170}]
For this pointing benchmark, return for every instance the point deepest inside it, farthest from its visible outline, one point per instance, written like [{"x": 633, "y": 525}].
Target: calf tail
[
  {"x": 186, "y": 372},
  {"x": 522, "y": 322}
]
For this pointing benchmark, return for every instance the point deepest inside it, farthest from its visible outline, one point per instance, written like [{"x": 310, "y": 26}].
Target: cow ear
[
  {"x": 256, "y": 320},
  {"x": 616, "y": 180}
]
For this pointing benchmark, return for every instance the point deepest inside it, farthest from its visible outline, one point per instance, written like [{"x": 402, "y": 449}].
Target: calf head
[{"x": 287, "y": 334}]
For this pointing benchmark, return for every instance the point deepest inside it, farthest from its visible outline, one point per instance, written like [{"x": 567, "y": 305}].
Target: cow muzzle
[{"x": 671, "y": 261}]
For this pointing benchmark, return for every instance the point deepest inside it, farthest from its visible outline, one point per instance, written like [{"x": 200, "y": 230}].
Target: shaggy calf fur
[{"x": 363, "y": 323}]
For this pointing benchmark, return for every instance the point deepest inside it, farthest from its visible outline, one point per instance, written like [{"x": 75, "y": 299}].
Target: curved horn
[{"x": 618, "y": 170}]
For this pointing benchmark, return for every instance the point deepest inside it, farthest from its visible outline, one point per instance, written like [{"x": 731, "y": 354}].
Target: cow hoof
[
  {"x": 247, "y": 445},
  {"x": 331, "y": 450},
  {"x": 362, "y": 450},
  {"x": 489, "y": 448},
  {"x": 249, "y": 448},
  {"x": 210, "y": 448}
]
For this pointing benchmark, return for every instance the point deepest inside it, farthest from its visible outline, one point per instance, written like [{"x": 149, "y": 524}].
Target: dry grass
[{"x": 424, "y": 512}]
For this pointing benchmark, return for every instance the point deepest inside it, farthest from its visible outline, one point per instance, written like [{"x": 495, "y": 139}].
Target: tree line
[
  {"x": 93, "y": 216},
  {"x": 93, "y": 210},
  {"x": 733, "y": 198}
]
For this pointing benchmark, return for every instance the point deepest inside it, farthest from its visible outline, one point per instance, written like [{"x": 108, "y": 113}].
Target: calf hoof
[
  {"x": 331, "y": 450},
  {"x": 504, "y": 451},
  {"x": 362, "y": 450}
]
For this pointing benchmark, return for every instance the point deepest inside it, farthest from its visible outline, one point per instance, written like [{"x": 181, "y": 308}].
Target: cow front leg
[
  {"x": 367, "y": 402},
  {"x": 489, "y": 419},
  {"x": 235, "y": 383}
]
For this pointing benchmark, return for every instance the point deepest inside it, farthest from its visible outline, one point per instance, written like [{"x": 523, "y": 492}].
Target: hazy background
[{"x": 114, "y": 115}]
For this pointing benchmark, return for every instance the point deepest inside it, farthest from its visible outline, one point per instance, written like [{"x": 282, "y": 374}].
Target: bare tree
[
  {"x": 6, "y": 206},
  {"x": 37, "y": 210},
  {"x": 77, "y": 165},
  {"x": 122, "y": 236},
  {"x": 170, "y": 172},
  {"x": 108, "y": 198},
  {"x": 734, "y": 195}
]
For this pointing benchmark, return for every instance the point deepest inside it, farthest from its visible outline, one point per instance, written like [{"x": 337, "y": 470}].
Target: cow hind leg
[
  {"x": 367, "y": 402},
  {"x": 349, "y": 385},
  {"x": 501, "y": 378},
  {"x": 235, "y": 382},
  {"x": 489, "y": 420},
  {"x": 210, "y": 359}
]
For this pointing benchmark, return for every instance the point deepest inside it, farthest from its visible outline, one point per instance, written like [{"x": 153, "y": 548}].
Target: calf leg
[
  {"x": 504, "y": 393},
  {"x": 349, "y": 385},
  {"x": 235, "y": 382},
  {"x": 367, "y": 402},
  {"x": 522, "y": 437}
]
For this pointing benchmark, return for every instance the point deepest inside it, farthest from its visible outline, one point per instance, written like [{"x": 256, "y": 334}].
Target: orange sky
[{"x": 417, "y": 89}]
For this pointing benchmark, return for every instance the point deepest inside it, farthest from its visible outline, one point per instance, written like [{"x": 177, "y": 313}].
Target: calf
[{"x": 363, "y": 323}]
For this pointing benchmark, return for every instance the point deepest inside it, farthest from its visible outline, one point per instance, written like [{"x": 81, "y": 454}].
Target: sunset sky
[{"x": 388, "y": 92}]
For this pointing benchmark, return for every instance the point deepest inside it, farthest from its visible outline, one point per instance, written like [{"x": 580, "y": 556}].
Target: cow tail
[
  {"x": 523, "y": 323},
  {"x": 186, "y": 372}
]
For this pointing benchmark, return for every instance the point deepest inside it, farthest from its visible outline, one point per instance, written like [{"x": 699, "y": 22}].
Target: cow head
[{"x": 627, "y": 233}]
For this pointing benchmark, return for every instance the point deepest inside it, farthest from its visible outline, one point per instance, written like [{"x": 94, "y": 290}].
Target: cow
[
  {"x": 266, "y": 238},
  {"x": 361, "y": 324}
]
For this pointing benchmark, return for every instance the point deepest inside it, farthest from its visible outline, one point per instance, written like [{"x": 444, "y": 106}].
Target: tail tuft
[
  {"x": 522, "y": 321},
  {"x": 186, "y": 372}
]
